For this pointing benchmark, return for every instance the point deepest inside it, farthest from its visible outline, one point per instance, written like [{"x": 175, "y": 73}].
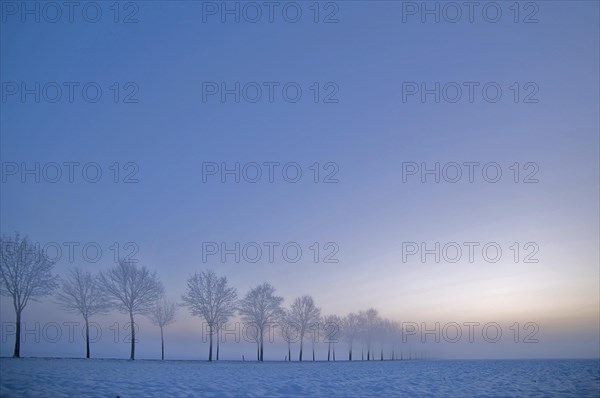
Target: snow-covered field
[{"x": 30, "y": 377}]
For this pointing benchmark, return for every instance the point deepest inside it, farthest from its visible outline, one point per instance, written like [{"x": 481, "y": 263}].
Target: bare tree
[
  {"x": 331, "y": 327},
  {"x": 210, "y": 297},
  {"x": 315, "y": 336},
  {"x": 304, "y": 313},
  {"x": 80, "y": 294},
  {"x": 25, "y": 274},
  {"x": 393, "y": 334},
  {"x": 131, "y": 289},
  {"x": 382, "y": 333},
  {"x": 162, "y": 315},
  {"x": 370, "y": 321},
  {"x": 350, "y": 331},
  {"x": 261, "y": 307}
]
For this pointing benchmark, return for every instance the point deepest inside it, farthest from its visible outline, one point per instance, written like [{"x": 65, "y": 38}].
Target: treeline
[{"x": 26, "y": 274}]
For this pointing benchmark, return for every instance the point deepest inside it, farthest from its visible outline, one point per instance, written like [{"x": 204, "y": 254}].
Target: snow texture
[{"x": 38, "y": 377}]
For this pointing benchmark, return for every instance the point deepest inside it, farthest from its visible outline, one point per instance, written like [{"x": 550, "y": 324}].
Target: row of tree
[{"x": 26, "y": 274}]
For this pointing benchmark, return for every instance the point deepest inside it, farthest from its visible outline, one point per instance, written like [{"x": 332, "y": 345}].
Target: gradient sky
[{"x": 369, "y": 53}]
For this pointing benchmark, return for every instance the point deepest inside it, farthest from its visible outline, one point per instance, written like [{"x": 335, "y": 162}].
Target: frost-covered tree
[
  {"x": 211, "y": 298},
  {"x": 305, "y": 314},
  {"x": 382, "y": 333},
  {"x": 162, "y": 315},
  {"x": 393, "y": 336},
  {"x": 315, "y": 326},
  {"x": 370, "y": 320},
  {"x": 131, "y": 289},
  {"x": 25, "y": 274},
  {"x": 80, "y": 294},
  {"x": 261, "y": 307},
  {"x": 331, "y": 328},
  {"x": 350, "y": 331}
]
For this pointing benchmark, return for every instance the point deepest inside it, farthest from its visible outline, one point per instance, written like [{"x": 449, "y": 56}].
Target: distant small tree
[
  {"x": 382, "y": 334},
  {"x": 162, "y": 315},
  {"x": 304, "y": 313},
  {"x": 25, "y": 274},
  {"x": 211, "y": 298},
  {"x": 370, "y": 321},
  {"x": 350, "y": 331},
  {"x": 261, "y": 308},
  {"x": 332, "y": 326},
  {"x": 80, "y": 294},
  {"x": 131, "y": 289},
  {"x": 394, "y": 335}
]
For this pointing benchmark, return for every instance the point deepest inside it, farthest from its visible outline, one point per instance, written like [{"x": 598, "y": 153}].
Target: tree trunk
[
  {"x": 350, "y": 354},
  {"x": 87, "y": 339},
  {"x": 210, "y": 332},
  {"x": 217, "y": 346},
  {"x": 328, "y": 351},
  {"x": 289, "y": 351},
  {"x": 301, "y": 346},
  {"x": 313, "y": 350},
  {"x": 132, "y": 353},
  {"x": 17, "y": 352},
  {"x": 262, "y": 346},
  {"x": 382, "y": 354},
  {"x": 162, "y": 345},
  {"x": 334, "y": 353},
  {"x": 257, "y": 349}
]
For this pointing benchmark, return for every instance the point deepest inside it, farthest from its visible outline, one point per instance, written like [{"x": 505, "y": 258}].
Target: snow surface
[{"x": 39, "y": 377}]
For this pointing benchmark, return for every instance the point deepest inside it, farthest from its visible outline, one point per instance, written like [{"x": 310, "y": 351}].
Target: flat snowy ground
[{"x": 29, "y": 377}]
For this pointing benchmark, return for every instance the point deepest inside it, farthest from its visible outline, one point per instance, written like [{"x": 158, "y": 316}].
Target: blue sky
[{"x": 368, "y": 134}]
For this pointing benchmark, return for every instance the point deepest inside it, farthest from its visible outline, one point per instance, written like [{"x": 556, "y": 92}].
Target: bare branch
[
  {"x": 131, "y": 289},
  {"x": 163, "y": 313},
  {"x": 80, "y": 294}
]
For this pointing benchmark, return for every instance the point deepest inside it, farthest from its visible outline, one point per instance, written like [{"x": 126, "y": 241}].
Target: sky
[{"x": 168, "y": 127}]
